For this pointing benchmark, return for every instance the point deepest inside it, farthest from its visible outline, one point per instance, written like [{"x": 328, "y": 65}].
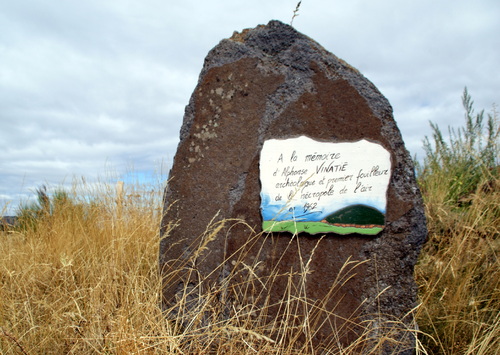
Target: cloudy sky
[{"x": 92, "y": 87}]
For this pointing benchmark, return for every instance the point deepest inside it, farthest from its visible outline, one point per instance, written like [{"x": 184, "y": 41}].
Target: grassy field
[{"x": 79, "y": 275}]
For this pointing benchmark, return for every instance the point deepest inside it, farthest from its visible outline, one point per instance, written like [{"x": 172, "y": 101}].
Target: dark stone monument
[{"x": 285, "y": 136}]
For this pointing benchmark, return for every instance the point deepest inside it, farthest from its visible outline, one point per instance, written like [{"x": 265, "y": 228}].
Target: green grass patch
[{"x": 315, "y": 228}]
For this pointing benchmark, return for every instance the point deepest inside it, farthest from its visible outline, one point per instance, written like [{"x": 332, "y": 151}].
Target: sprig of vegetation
[{"x": 295, "y": 12}]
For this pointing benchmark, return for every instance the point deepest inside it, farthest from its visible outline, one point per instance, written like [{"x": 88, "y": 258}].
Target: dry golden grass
[
  {"x": 210, "y": 323},
  {"x": 83, "y": 278},
  {"x": 459, "y": 272}
]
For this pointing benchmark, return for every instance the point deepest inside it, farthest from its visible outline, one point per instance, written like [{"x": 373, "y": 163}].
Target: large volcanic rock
[{"x": 272, "y": 82}]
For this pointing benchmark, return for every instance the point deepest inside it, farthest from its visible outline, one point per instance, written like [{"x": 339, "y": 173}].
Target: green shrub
[{"x": 470, "y": 157}]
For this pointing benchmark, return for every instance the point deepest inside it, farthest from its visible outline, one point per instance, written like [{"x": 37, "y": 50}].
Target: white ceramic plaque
[{"x": 322, "y": 187}]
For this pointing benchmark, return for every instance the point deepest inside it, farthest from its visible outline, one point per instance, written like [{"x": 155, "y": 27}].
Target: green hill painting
[{"x": 357, "y": 215}]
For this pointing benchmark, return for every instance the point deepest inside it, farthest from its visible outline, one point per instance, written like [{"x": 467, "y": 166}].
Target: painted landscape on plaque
[{"x": 323, "y": 187}]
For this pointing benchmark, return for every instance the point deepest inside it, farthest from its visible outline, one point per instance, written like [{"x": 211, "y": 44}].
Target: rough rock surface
[{"x": 273, "y": 82}]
